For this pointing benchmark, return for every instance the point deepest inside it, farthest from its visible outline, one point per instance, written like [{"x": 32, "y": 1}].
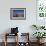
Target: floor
[{"x": 13, "y": 44}]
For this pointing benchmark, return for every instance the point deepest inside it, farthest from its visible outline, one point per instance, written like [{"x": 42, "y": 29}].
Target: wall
[{"x": 24, "y": 25}]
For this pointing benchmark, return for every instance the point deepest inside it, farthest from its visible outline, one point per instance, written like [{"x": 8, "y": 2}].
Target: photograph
[{"x": 17, "y": 13}]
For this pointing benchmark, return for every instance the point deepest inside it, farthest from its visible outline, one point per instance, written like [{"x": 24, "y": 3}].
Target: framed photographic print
[
  {"x": 41, "y": 12},
  {"x": 17, "y": 13},
  {"x": 41, "y": 8}
]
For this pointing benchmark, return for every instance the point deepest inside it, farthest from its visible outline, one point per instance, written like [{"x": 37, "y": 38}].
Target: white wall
[{"x": 24, "y": 25}]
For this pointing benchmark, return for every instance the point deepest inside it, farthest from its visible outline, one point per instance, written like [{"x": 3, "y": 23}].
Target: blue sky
[{"x": 18, "y": 11}]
